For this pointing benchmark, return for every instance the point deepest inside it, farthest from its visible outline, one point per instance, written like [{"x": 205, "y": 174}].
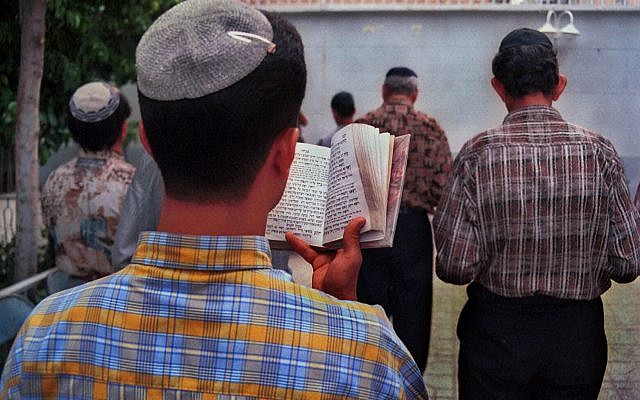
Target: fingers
[
  {"x": 351, "y": 239},
  {"x": 301, "y": 247}
]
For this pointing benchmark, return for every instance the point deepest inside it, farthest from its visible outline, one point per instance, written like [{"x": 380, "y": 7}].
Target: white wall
[{"x": 451, "y": 52}]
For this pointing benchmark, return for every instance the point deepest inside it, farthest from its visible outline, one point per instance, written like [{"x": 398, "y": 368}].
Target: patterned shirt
[
  {"x": 538, "y": 206},
  {"x": 430, "y": 161},
  {"x": 206, "y": 317},
  {"x": 81, "y": 202}
]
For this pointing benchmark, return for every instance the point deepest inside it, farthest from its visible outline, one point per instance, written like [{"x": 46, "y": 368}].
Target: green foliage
[
  {"x": 84, "y": 41},
  {"x": 46, "y": 260},
  {"x": 7, "y": 262}
]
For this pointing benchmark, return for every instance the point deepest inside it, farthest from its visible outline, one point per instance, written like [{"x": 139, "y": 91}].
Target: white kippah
[
  {"x": 94, "y": 102},
  {"x": 199, "y": 47}
]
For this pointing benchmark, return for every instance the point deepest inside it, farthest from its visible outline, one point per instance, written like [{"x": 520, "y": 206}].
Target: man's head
[
  {"x": 342, "y": 107},
  {"x": 97, "y": 116},
  {"x": 400, "y": 81},
  {"x": 215, "y": 93},
  {"x": 526, "y": 64}
]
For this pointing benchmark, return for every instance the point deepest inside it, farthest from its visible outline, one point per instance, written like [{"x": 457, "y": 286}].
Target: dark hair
[
  {"x": 526, "y": 69},
  {"x": 212, "y": 147},
  {"x": 342, "y": 103},
  {"x": 102, "y": 135},
  {"x": 400, "y": 71},
  {"x": 401, "y": 80}
]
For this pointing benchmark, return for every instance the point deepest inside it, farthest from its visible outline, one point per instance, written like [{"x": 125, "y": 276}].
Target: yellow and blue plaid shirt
[{"x": 202, "y": 317}]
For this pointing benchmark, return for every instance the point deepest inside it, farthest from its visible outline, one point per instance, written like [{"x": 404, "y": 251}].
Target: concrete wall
[{"x": 451, "y": 52}]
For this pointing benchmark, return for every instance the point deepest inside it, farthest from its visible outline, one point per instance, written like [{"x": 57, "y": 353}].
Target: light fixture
[
  {"x": 570, "y": 28},
  {"x": 548, "y": 27},
  {"x": 552, "y": 24}
]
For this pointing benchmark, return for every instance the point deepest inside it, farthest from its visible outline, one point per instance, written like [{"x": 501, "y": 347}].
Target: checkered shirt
[
  {"x": 538, "y": 206},
  {"x": 430, "y": 161},
  {"x": 201, "y": 317}
]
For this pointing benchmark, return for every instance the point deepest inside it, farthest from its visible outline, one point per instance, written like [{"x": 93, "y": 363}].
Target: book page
[
  {"x": 345, "y": 194},
  {"x": 373, "y": 152},
  {"x": 302, "y": 207},
  {"x": 396, "y": 184}
]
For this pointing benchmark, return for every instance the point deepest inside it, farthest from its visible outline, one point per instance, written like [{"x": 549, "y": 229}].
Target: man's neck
[
  {"x": 398, "y": 98},
  {"x": 345, "y": 121},
  {"x": 534, "y": 99},
  {"x": 212, "y": 219},
  {"x": 117, "y": 148}
]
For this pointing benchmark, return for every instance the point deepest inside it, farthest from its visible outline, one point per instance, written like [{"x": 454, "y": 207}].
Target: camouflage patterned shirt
[
  {"x": 81, "y": 202},
  {"x": 430, "y": 161}
]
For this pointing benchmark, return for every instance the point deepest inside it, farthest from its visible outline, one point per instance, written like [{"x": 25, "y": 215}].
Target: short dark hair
[
  {"x": 401, "y": 71},
  {"x": 527, "y": 69},
  {"x": 212, "y": 147},
  {"x": 342, "y": 103},
  {"x": 401, "y": 80},
  {"x": 101, "y": 135}
]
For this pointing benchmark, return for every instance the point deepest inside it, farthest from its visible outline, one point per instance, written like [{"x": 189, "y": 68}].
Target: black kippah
[
  {"x": 523, "y": 37},
  {"x": 401, "y": 71}
]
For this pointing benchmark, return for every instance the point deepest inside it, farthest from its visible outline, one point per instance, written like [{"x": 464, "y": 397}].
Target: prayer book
[{"x": 362, "y": 174}]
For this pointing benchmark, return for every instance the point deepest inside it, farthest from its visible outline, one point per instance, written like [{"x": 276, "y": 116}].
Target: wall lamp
[{"x": 552, "y": 26}]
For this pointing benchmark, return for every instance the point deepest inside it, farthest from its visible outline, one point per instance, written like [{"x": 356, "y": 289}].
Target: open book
[{"x": 362, "y": 174}]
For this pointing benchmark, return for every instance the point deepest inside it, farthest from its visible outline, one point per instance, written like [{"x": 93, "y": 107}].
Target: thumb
[{"x": 351, "y": 238}]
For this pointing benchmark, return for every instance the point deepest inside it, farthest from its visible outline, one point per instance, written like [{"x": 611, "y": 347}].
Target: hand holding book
[{"x": 335, "y": 273}]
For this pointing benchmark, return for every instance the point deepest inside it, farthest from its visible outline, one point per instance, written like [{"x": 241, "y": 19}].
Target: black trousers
[
  {"x": 536, "y": 347},
  {"x": 400, "y": 280}
]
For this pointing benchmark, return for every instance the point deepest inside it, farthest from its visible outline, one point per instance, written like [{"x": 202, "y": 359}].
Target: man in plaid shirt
[
  {"x": 400, "y": 278},
  {"x": 199, "y": 313},
  {"x": 538, "y": 218}
]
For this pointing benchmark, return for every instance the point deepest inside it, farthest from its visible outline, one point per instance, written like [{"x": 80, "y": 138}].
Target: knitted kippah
[
  {"x": 94, "y": 102},
  {"x": 199, "y": 47}
]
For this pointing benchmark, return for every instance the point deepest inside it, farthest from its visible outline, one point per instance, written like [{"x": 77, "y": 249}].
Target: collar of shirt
[
  {"x": 99, "y": 154},
  {"x": 204, "y": 253},
  {"x": 537, "y": 113}
]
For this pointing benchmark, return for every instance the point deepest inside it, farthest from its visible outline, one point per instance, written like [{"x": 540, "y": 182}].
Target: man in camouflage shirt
[
  {"x": 400, "y": 278},
  {"x": 82, "y": 198}
]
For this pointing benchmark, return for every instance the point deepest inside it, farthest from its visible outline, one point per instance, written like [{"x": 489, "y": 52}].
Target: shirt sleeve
[
  {"x": 140, "y": 211},
  {"x": 455, "y": 229},
  {"x": 406, "y": 375},
  {"x": 624, "y": 232},
  {"x": 46, "y": 200},
  {"x": 412, "y": 382},
  {"x": 444, "y": 164},
  {"x": 12, "y": 372}
]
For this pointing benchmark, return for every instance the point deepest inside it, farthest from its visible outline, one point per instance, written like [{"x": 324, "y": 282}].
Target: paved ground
[{"x": 622, "y": 319}]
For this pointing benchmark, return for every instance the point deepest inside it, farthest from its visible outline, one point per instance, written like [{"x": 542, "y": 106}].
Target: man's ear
[
  {"x": 142, "y": 134},
  {"x": 414, "y": 96},
  {"x": 123, "y": 130},
  {"x": 562, "y": 84},
  {"x": 499, "y": 88},
  {"x": 284, "y": 149},
  {"x": 385, "y": 92}
]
